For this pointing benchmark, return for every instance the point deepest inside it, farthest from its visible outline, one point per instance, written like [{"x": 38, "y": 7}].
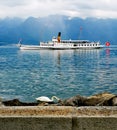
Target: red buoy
[{"x": 107, "y": 43}]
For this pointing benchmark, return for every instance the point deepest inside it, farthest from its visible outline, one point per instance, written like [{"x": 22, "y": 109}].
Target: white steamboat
[{"x": 57, "y": 43}]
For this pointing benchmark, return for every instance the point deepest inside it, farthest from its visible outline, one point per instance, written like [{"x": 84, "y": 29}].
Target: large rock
[
  {"x": 102, "y": 99},
  {"x": 16, "y": 102},
  {"x": 74, "y": 101}
]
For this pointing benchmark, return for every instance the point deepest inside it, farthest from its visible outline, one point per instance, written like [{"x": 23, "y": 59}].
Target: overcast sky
[{"x": 72, "y": 8}]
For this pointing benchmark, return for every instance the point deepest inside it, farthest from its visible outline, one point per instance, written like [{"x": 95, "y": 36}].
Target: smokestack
[{"x": 59, "y": 37}]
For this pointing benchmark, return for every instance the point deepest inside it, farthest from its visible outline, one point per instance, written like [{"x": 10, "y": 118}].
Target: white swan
[{"x": 46, "y": 99}]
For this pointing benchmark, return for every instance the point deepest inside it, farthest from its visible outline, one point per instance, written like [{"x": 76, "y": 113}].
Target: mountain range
[{"x": 33, "y": 30}]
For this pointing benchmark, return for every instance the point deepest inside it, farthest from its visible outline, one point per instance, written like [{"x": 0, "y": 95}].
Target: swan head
[{"x": 55, "y": 99}]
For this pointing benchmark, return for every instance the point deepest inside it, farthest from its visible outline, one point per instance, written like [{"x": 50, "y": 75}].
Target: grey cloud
[
  {"x": 11, "y": 3},
  {"x": 72, "y": 8}
]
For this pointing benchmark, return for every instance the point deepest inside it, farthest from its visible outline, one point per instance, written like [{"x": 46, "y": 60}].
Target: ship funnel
[{"x": 59, "y": 37}]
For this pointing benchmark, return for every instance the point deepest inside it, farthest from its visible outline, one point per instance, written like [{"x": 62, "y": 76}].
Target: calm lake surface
[{"x": 26, "y": 75}]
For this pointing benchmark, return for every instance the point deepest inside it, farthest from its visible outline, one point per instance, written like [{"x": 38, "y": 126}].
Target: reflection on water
[
  {"x": 64, "y": 73},
  {"x": 108, "y": 52}
]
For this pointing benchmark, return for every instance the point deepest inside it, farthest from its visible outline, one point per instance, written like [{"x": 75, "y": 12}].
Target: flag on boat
[{"x": 107, "y": 43}]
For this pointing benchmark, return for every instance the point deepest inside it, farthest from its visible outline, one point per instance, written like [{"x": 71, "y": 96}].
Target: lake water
[{"x": 26, "y": 75}]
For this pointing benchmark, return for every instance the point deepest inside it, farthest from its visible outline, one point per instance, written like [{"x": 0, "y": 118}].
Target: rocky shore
[{"x": 102, "y": 99}]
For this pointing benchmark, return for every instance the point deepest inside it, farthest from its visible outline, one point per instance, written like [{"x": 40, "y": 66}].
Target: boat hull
[{"x": 32, "y": 47}]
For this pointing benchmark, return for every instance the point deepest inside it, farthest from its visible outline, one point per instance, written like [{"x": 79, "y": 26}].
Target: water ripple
[{"x": 28, "y": 74}]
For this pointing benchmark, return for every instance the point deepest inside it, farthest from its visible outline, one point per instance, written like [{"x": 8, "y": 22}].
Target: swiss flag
[{"x": 107, "y": 43}]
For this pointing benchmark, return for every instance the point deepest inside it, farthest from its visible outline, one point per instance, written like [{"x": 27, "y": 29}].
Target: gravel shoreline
[{"x": 58, "y": 111}]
